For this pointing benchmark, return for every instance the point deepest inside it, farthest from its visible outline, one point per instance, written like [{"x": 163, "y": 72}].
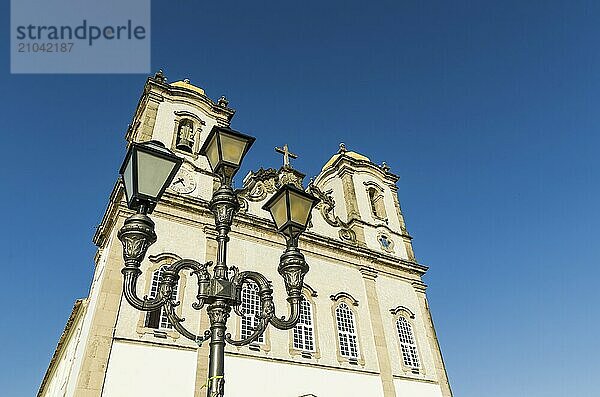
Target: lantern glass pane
[
  {"x": 300, "y": 208},
  {"x": 233, "y": 148},
  {"x": 279, "y": 211},
  {"x": 128, "y": 178},
  {"x": 212, "y": 152},
  {"x": 153, "y": 172}
]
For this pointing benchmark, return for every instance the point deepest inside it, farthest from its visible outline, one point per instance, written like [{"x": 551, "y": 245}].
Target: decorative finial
[
  {"x": 286, "y": 155},
  {"x": 342, "y": 148},
  {"x": 385, "y": 167},
  {"x": 160, "y": 76},
  {"x": 223, "y": 101},
  {"x": 187, "y": 81}
]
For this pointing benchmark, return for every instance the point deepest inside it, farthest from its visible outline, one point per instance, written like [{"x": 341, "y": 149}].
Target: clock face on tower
[{"x": 183, "y": 182}]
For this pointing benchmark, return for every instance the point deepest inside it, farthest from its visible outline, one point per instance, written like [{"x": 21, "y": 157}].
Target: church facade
[{"x": 365, "y": 327}]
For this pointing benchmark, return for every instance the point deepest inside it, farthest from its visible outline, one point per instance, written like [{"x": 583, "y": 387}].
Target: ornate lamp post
[{"x": 146, "y": 172}]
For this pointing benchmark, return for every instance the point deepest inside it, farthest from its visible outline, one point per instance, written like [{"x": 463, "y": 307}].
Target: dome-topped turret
[
  {"x": 344, "y": 152},
  {"x": 186, "y": 84}
]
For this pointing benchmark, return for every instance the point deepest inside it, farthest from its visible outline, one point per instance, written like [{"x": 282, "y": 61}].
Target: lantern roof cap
[
  {"x": 187, "y": 85},
  {"x": 344, "y": 152}
]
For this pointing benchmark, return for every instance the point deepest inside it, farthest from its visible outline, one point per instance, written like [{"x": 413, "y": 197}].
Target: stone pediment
[{"x": 260, "y": 184}]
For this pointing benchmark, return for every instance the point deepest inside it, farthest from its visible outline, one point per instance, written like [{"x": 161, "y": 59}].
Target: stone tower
[{"x": 365, "y": 329}]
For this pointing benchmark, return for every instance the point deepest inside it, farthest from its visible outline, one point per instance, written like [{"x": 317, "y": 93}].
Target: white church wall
[
  {"x": 94, "y": 304},
  {"x": 61, "y": 374},
  {"x": 372, "y": 241},
  {"x": 130, "y": 322},
  {"x": 416, "y": 389},
  {"x": 328, "y": 278},
  {"x": 392, "y": 293},
  {"x": 345, "y": 276},
  {"x": 258, "y": 378},
  {"x": 155, "y": 371}
]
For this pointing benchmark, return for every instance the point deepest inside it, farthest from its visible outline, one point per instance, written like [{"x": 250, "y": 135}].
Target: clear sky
[{"x": 488, "y": 111}]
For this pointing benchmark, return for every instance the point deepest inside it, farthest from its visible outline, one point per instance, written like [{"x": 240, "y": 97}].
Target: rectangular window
[
  {"x": 250, "y": 308},
  {"x": 346, "y": 331},
  {"x": 303, "y": 331},
  {"x": 410, "y": 356},
  {"x": 158, "y": 319}
]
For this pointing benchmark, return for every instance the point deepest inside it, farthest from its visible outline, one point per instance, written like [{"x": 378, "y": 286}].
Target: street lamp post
[{"x": 146, "y": 172}]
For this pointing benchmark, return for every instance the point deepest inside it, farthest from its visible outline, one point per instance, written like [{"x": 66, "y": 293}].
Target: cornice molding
[
  {"x": 419, "y": 286},
  {"x": 344, "y": 295},
  {"x": 245, "y": 224},
  {"x": 399, "y": 309},
  {"x": 311, "y": 290},
  {"x": 368, "y": 272},
  {"x": 162, "y": 256}
]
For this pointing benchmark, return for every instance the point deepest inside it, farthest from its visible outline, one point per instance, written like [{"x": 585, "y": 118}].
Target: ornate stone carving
[
  {"x": 258, "y": 185},
  {"x": 223, "y": 101},
  {"x": 288, "y": 175},
  {"x": 160, "y": 76},
  {"x": 385, "y": 242},
  {"x": 243, "y": 204},
  {"x": 347, "y": 235},
  {"x": 326, "y": 207},
  {"x": 186, "y": 135}
]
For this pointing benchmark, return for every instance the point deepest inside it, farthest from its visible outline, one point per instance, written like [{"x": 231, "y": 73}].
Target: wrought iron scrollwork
[{"x": 220, "y": 291}]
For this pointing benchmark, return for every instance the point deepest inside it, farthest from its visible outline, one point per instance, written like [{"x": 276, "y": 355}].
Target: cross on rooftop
[{"x": 286, "y": 155}]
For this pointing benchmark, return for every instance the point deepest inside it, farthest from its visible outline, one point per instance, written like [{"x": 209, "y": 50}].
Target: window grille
[
  {"x": 346, "y": 331},
  {"x": 250, "y": 308},
  {"x": 303, "y": 332},
  {"x": 410, "y": 355}
]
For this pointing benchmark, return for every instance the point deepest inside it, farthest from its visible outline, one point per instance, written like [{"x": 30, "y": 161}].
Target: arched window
[
  {"x": 346, "y": 331},
  {"x": 250, "y": 308},
  {"x": 377, "y": 204},
  {"x": 185, "y": 135},
  {"x": 410, "y": 355},
  {"x": 158, "y": 318},
  {"x": 304, "y": 338}
]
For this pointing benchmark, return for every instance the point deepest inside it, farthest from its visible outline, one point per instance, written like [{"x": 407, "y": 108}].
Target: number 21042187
[{"x": 45, "y": 47}]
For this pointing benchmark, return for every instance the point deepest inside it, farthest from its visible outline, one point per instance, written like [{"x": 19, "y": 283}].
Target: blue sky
[{"x": 487, "y": 110}]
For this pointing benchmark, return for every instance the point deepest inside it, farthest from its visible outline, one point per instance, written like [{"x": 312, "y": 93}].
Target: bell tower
[
  {"x": 361, "y": 199},
  {"x": 180, "y": 115}
]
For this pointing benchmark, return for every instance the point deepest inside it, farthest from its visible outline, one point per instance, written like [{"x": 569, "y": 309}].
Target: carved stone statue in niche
[
  {"x": 377, "y": 204},
  {"x": 185, "y": 135}
]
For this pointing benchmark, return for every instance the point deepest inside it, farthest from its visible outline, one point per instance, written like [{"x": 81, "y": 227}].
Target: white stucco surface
[
  {"x": 406, "y": 388},
  {"x": 246, "y": 377},
  {"x": 149, "y": 371}
]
